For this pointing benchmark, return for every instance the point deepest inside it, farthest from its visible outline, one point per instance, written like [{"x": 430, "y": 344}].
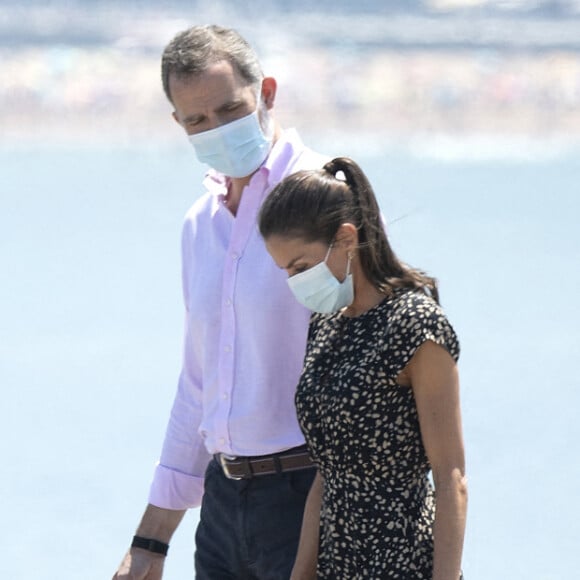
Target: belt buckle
[{"x": 225, "y": 468}]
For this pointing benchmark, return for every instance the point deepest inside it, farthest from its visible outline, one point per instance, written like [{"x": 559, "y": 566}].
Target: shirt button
[
  {"x": 224, "y": 396},
  {"x": 228, "y": 302},
  {"x": 222, "y": 440},
  {"x": 228, "y": 348},
  {"x": 234, "y": 256}
]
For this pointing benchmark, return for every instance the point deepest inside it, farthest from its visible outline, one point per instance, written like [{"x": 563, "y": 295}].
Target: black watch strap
[{"x": 150, "y": 545}]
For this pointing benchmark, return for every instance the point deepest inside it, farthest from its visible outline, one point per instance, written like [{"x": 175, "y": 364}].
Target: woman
[{"x": 378, "y": 399}]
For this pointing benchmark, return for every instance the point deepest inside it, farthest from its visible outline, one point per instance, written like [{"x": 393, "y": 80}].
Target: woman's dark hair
[{"x": 313, "y": 204}]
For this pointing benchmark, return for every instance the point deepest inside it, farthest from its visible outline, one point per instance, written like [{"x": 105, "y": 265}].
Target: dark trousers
[{"x": 249, "y": 529}]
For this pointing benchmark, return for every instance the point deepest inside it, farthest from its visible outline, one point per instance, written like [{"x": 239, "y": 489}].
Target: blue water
[{"x": 90, "y": 339}]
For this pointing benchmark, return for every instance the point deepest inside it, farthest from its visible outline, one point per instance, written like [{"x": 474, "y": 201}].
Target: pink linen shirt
[{"x": 245, "y": 336}]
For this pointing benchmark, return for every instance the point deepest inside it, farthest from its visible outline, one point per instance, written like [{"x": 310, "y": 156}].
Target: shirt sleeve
[
  {"x": 179, "y": 475},
  {"x": 417, "y": 318}
]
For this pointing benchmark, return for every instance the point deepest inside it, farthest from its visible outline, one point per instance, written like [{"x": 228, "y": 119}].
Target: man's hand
[{"x": 140, "y": 565}]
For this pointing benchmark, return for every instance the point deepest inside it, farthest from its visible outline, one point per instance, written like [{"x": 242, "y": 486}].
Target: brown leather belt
[{"x": 248, "y": 467}]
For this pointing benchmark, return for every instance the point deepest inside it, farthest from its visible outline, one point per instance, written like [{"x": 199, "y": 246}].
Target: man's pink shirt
[{"x": 245, "y": 336}]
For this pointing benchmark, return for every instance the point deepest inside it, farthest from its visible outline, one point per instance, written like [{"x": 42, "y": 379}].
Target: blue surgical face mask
[
  {"x": 236, "y": 149},
  {"x": 318, "y": 289}
]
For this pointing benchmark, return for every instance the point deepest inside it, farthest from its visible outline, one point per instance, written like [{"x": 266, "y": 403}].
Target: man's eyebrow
[
  {"x": 193, "y": 118},
  {"x": 229, "y": 104},
  {"x": 222, "y": 108}
]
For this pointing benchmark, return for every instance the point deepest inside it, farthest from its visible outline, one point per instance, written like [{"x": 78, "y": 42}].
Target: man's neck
[{"x": 235, "y": 189}]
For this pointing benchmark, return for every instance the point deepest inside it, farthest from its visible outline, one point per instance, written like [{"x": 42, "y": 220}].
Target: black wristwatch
[{"x": 150, "y": 545}]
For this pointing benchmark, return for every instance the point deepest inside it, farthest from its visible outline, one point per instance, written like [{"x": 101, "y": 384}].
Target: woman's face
[{"x": 296, "y": 255}]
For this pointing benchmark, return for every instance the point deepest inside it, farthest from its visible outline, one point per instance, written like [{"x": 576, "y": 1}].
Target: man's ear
[{"x": 269, "y": 88}]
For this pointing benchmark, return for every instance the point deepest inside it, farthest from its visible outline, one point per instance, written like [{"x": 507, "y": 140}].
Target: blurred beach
[
  {"x": 89, "y": 71},
  {"x": 466, "y": 117}
]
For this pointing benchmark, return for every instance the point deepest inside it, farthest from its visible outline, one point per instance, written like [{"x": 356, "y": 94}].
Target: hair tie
[{"x": 330, "y": 168}]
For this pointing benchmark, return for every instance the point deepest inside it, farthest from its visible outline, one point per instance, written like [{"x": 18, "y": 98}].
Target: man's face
[{"x": 213, "y": 98}]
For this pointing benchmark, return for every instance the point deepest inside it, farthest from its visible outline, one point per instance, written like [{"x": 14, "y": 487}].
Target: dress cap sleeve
[{"x": 417, "y": 318}]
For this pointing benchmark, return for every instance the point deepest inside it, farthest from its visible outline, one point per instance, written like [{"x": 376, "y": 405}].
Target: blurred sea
[{"x": 90, "y": 339}]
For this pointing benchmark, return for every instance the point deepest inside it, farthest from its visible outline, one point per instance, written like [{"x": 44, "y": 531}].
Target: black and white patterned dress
[{"x": 363, "y": 432}]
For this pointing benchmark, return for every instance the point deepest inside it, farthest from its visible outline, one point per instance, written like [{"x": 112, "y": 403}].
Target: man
[{"x": 232, "y": 436}]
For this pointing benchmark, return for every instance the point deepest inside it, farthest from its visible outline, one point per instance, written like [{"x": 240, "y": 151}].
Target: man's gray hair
[{"x": 194, "y": 50}]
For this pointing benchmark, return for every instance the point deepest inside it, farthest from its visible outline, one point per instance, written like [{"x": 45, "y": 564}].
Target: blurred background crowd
[{"x": 74, "y": 70}]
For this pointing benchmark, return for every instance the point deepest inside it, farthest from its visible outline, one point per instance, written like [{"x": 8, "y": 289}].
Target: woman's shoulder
[
  {"x": 413, "y": 303},
  {"x": 416, "y": 317}
]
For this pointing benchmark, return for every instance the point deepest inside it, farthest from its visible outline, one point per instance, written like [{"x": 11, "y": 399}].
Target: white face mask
[
  {"x": 236, "y": 149},
  {"x": 318, "y": 289}
]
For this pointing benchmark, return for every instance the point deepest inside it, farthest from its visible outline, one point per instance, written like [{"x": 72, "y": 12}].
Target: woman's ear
[{"x": 346, "y": 237}]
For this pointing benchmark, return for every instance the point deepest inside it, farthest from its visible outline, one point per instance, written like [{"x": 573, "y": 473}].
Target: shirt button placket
[{"x": 228, "y": 337}]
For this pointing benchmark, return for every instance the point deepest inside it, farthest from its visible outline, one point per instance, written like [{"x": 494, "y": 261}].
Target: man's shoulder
[
  {"x": 310, "y": 159},
  {"x": 304, "y": 156},
  {"x": 202, "y": 205},
  {"x": 291, "y": 154}
]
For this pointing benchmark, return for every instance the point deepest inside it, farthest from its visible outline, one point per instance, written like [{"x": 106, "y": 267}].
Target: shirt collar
[{"x": 285, "y": 150}]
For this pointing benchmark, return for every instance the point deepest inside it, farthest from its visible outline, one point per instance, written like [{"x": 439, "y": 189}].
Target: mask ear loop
[
  {"x": 349, "y": 256},
  {"x": 328, "y": 253}
]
